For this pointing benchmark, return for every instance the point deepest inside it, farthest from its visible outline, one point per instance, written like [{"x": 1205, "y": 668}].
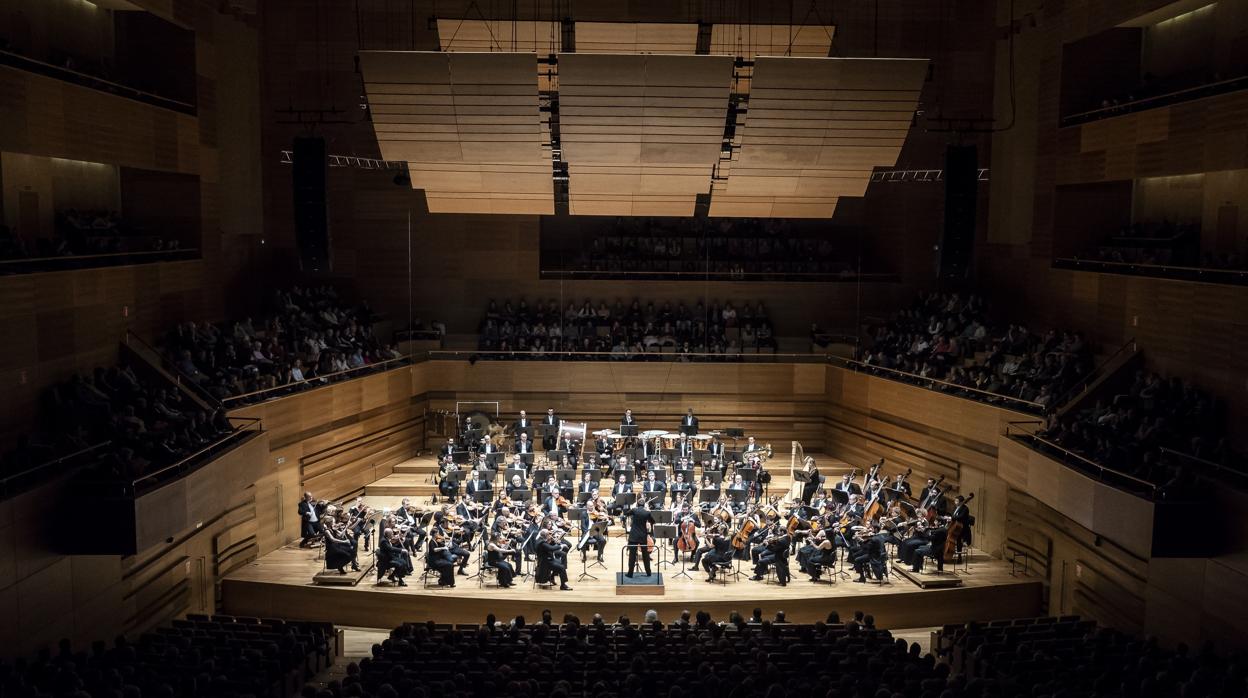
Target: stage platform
[{"x": 280, "y": 584}]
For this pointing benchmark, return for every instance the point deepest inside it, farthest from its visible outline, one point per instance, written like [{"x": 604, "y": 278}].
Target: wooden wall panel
[{"x": 45, "y": 116}]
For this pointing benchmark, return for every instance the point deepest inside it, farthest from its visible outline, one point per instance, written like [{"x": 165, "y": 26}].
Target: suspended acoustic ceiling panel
[
  {"x": 636, "y": 37},
  {"x": 815, "y": 129},
  {"x": 641, "y": 133},
  {"x": 499, "y": 36},
  {"x": 749, "y": 41},
  {"x": 468, "y": 126}
]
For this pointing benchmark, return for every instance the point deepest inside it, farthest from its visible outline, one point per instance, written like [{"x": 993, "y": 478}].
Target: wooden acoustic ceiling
[
  {"x": 814, "y": 130},
  {"x": 468, "y": 126},
  {"x": 641, "y": 133}
]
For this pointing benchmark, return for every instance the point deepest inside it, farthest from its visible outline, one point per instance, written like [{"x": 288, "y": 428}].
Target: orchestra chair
[
  {"x": 428, "y": 577},
  {"x": 722, "y": 572},
  {"x": 487, "y": 571}
]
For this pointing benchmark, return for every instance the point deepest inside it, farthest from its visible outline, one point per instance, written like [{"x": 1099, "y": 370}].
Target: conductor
[{"x": 639, "y": 529}]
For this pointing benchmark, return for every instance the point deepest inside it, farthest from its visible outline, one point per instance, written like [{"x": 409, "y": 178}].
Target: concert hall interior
[{"x": 381, "y": 348}]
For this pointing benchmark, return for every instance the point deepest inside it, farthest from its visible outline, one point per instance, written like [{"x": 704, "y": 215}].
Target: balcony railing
[
  {"x": 1160, "y": 271},
  {"x": 15, "y": 483},
  {"x": 233, "y": 401},
  {"x": 33, "y": 265},
  {"x": 26, "y": 63},
  {"x": 1175, "y": 97},
  {"x": 1024, "y": 432},
  {"x": 188, "y": 463},
  {"x": 715, "y": 275},
  {"x": 948, "y": 388}
]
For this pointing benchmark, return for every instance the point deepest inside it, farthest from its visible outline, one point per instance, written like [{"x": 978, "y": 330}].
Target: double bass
[{"x": 955, "y": 533}]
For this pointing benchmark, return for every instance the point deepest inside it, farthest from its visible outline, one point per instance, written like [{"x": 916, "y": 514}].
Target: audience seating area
[
  {"x": 1162, "y": 244},
  {"x": 641, "y": 246},
  {"x": 947, "y": 337},
  {"x": 635, "y": 332},
  {"x": 1129, "y": 430},
  {"x": 199, "y": 656},
  {"x": 691, "y": 656},
  {"x": 1073, "y": 657},
  {"x": 306, "y": 337},
  {"x": 139, "y": 425}
]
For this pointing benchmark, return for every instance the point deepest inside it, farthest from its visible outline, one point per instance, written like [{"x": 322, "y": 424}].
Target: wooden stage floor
[{"x": 280, "y": 584}]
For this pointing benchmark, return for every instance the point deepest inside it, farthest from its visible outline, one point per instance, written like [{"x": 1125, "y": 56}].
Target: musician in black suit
[
  {"x": 479, "y": 483},
  {"x": 605, "y": 449},
  {"x": 962, "y": 513},
  {"x": 716, "y": 449},
  {"x": 653, "y": 489},
  {"x": 623, "y": 486},
  {"x": 847, "y": 485},
  {"x": 550, "y": 420},
  {"x": 935, "y": 549},
  {"x": 628, "y": 420},
  {"x": 587, "y": 485},
  {"x": 689, "y": 420},
  {"x": 310, "y": 514},
  {"x": 393, "y": 558},
  {"x": 523, "y": 425},
  {"x": 448, "y": 449},
  {"x": 589, "y": 537},
  {"x": 720, "y": 552},
  {"x": 931, "y": 497},
  {"x": 640, "y": 526},
  {"x": 775, "y": 552},
  {"x": 523, "y": 445},
  {"x": 684, "y": 447},
  {"x": 552, "y": 560},
  {"x": 751, "y": 446},
  {"x": 441, "y": 557}
]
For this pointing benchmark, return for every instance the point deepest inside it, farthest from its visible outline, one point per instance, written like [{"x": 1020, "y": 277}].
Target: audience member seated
[
  {"x": 1157, "y": 91},
  {"x": 1129, "y": 431},
  {"x": 147, "y": 426},
  {"x": 84, "y": 233},
  {"x": 946, "y": 337},
  {"x": 1069, "y": 657},
  {"x": 200, "y": 656},
  {"x": 620, "y": 333},
  {"x": 308, "y": 336},
  {"x": 725, "y": 246}
]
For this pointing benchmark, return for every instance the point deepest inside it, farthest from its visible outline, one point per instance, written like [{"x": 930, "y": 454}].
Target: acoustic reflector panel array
[
  {"x": 641, "y": 133},
  {"x": 478, "y": 36},
  {"x": 636, "y": 37},
  {"x": 814, "y": 130},
  {"x": 468, "y": 126}
]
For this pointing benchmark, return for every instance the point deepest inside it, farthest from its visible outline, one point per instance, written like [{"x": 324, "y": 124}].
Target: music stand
[
  {"x": 708, "y": 496},
  {"x": 459, "y": 457},
  {"x": 688, "y": 429},
  {"x": 582, "y": 497},
  {"x": 512, "y": 472},
  {"x": 494, "y": 458},
  {"x": 733, "y": 456},
  {"x": 717, "y": 477},
  {"x": 625, "y": 500},
  {"x": 841, "y": 498},
  {"x": 687, "y": 472},
  {"x": 654, "y": 499},
  {"x": 483, "y": 496},
  {"x": 521, "y": 494},
  {"x": 552, "y": 456},
  {"x": 527, "y": 458},
  {"x": 541, "y": 477},
  {"x": 665, "y": 532},
  {"x": 628, "y": 430},
  {"x": 700, "y": 455},
  {"x": 566, "y": 475}
]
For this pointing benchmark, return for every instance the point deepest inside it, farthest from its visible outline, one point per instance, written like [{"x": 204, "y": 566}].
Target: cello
[{"x": 687, "y": 540}]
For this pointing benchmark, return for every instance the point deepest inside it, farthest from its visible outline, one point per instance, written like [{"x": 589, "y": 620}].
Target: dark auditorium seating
[{"x": 198, "y": 656}]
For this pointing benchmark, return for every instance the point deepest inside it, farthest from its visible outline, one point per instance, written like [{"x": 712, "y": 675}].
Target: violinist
[
  {"x": 869, "y": 554},
  {"x": 339, "y": 547},
  {"x": 856, "y": 508},
  {"x": 392, "y": 558},
  {"x": 919, "y": 536},
  {"x": 496, "y": 553},
  {"x": 818, "y": 552},
  {"x": 718, "y": 550},
  {"x": 775, "y": 552},
  {"x": 933, "y": 548},
  {"x": 552, "y": 561},
  {"x": 551, "y": 499},
  {"x": 441, "y": 556},
  {"x": 594, "y": 522}
]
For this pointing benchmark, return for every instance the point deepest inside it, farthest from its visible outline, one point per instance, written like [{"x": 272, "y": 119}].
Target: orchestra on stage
[{"x": 701, "y": 498}]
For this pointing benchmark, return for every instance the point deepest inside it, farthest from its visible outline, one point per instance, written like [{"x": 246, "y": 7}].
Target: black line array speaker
[
  {"x": 961, "y": 180},
  {"x": 309, "y": 174}
]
